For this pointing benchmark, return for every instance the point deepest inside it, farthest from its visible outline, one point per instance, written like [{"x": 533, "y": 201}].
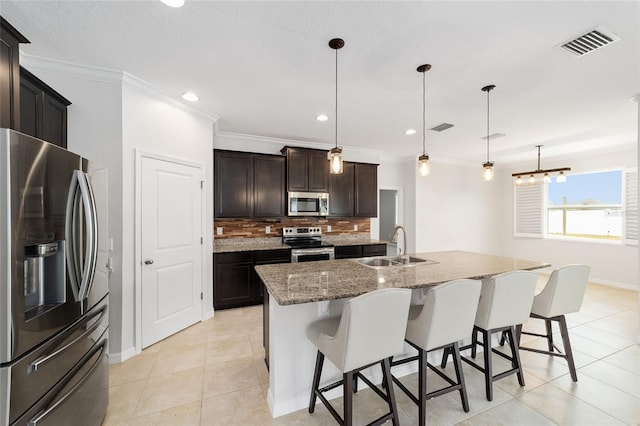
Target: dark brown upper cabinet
[
  {"x": 307, "y": 169},
  {"x": 248, "y": 185},
  {"x": 366, "y": 190},
  {"x": 43, "y": 111},
  {"x": 354, "y": 193},
  {"x": 269, "y": 187},
  {"x": 10, "y": 39},
  {"x": 341, "y": 190}
]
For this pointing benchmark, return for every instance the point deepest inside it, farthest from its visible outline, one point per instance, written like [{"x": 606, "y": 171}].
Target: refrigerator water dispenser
[{"x": 44, "y": 278}]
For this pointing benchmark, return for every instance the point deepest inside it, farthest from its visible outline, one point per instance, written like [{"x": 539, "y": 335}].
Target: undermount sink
[{"x": 390, "y": 261}]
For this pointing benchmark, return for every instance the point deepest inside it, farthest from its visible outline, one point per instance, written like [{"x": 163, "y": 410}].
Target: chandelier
[{"x": 546, "y": 177}]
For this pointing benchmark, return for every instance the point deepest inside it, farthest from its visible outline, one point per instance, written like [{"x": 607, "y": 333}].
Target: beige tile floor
[{"x": 213, "y": 373}]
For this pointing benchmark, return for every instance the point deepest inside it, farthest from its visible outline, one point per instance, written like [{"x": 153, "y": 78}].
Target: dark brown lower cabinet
[
  {"x": 232, "y": 281},
  {"x": 235, "y": 281}
]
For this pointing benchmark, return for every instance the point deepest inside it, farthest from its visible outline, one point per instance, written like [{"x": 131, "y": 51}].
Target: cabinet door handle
[{"x": 148, "y": 261}]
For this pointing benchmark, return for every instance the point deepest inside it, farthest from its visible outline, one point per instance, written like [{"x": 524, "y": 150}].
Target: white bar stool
[
  {"x": 370, "y": 331},
  {"x": 505, "y": 301},
  {"x": 562, "y": 295},
  {"x": 446, "y": 317}
]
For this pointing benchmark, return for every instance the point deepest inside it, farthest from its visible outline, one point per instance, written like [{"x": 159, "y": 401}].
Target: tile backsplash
[{"x": 256, "y": 228}]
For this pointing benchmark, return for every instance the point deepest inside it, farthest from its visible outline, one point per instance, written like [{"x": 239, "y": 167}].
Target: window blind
[
  {"x": 631, "y": 206},
  {"x": 528, "y": 217}
]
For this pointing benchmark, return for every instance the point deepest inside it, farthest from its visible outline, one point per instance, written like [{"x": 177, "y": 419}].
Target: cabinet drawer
[
  {"x": 273, "y": 256},
  {"x": 233, "y": 257},
  {"x": 374, "y": 250},
  {"x": 348, "y": 252}
]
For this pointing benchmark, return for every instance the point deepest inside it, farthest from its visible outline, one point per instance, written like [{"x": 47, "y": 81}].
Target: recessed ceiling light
[
  {"x": 173, "y": 3},
  {"x": 190, "y": 96},
  {"x": 410, "y": 132},
  {"x": 322, "y": 117}
]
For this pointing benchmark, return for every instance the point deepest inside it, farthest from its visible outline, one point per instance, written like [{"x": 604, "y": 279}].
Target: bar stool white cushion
[
  {"x": 371, "y": 328},
  {"x": 563, "y": 292},
  {"x": 506, "y": 299},
  {"x": 446, "y": 316}
]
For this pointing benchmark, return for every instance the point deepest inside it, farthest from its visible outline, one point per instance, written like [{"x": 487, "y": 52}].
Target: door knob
[{"x": 148, "y": 261}]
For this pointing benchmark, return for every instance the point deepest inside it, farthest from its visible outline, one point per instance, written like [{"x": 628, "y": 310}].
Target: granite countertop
[
  {"x": 296, "y": 283},
  {"x": 275, "y": 243},
  {"x": 248, "y": 244}
]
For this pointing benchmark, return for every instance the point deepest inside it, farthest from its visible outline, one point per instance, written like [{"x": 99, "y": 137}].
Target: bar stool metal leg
[
  {"x": 347, "y": 402},
  {"x": 488, "y": 372},
  {"x": 567, "y": 347},
  {"x": 547, "y": 324},
  {"x": 316, "y": 381},
  {"x": 515, "y": 355},
  {"x": 457, "y": 364}
]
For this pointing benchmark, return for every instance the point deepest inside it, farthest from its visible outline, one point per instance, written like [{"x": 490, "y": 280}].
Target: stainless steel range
[{"x": 306, "y": 244}]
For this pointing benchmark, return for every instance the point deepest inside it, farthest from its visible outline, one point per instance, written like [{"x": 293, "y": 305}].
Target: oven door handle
[{"x": 308, "y": 251}]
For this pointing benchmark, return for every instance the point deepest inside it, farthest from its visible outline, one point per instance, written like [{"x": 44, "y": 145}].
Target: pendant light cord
[
  {"x": 488, "y": 125},
  {"x": 424, "y": 113},
  {"x": 336, "y": 98}
]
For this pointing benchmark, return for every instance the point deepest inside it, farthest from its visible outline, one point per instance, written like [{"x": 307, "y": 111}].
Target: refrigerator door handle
[
  {"x": 72, "y": 263},
  {"x": 91, "y": 221},
  {"x": 81, "y": 280},
  {"x": 102, "y": 347},
  {"x": 46, "y": 358}
]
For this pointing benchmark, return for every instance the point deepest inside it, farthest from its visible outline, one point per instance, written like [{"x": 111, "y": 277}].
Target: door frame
[
  {"x": 137, "y": 261},
  {"x": 401, "y": 208}
]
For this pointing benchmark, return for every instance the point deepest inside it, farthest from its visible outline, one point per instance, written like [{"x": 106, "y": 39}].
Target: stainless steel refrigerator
[{"x": 53, "y": 285}]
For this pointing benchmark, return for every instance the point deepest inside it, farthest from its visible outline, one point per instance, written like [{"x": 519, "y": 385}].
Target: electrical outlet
[
  {"x": 219, "y": 230},
  {"x": 328, "y": 228},
  {"x": 268, "y": 229},
  {"x": 355, "y": 227}
]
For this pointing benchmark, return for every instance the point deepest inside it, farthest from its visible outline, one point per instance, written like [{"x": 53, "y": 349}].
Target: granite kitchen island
[{"x": 299, "y": 293}]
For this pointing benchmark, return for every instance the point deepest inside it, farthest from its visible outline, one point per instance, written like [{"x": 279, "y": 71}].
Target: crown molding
[
  {"x": 296, "y": 142},
  {"x": 69, "y": 69},
  {"x": 109, "y": 76},
  {"x": 163, "y": 96}
]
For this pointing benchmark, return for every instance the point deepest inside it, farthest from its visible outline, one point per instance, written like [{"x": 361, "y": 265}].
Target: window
[{"x": 601, "y": 206}]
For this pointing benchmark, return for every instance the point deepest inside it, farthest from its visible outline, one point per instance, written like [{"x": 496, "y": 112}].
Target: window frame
[
  {"x": 545, "y": 211},
  {"x": 629, "y": 208}
]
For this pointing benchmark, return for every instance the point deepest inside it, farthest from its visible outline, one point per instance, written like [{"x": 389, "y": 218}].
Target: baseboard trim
[{"x": 118, "y": 357}]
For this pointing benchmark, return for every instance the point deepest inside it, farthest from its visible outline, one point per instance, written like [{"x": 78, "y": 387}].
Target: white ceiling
[{"x": 266, "y": 68}]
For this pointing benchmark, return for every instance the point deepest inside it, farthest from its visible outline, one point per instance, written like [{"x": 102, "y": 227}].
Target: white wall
[
  {"x": 111, "y": 115},
  {"x": 455, "y": 209},
  {"x": 615, "y": 264},
  {"x": 95, "y": 131},
  {"x": 155, "y": 125}
]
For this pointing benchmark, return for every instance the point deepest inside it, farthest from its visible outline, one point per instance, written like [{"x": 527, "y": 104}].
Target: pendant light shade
[
  {"x": 335, "y": 155},
  {"x": 424, "y": 168},
  {"x": 335, "y": 161},
  {"x": 487, "y": 167}
]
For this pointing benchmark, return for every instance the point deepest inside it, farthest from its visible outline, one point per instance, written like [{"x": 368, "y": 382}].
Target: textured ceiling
[{"x": 265, "y": 68}]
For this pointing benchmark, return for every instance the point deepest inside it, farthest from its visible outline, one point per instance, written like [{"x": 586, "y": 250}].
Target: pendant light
[
  {"x": 423, "y": 160},
  {"x": 335, "y": 155},
  {"x": 487, "y": 167},
  {"x": 546, "y": 178}
]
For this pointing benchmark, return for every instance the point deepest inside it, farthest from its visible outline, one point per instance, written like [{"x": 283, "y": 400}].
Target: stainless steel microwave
[{"x": 308, "y": 204}]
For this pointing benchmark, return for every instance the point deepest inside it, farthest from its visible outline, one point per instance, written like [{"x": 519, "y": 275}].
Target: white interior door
[{"x": 171, "y": 248}]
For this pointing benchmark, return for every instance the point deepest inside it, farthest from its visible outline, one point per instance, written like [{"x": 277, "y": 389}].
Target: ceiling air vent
[
  {"x": 494, "y": 136},
  {"x": 588, "y": 42},
  {"x": 442, "y": 127}
]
